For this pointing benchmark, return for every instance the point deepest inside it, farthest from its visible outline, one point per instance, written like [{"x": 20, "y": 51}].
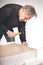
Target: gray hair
[{"x": 30, "y": 10}]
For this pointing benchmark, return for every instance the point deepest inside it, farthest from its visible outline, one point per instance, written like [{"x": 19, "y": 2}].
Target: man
[{"x": 14, "y": 15}]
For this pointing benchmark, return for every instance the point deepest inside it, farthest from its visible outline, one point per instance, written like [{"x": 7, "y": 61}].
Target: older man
[{"x": 14, "y": 15}]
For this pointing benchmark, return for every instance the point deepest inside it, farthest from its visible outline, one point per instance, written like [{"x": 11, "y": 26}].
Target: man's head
[{"x": 26, "y": 13}]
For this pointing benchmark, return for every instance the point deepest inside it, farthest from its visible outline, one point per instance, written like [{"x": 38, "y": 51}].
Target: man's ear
[{"x": 23, "y": 10}]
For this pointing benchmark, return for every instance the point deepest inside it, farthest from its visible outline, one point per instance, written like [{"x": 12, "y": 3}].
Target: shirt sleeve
[
  {"x": 22, "y": 30},
  {"x": 3, "y": 28}
]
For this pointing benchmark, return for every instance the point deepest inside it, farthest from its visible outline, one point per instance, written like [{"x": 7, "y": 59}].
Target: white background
[{"x": 34, "y": 27}]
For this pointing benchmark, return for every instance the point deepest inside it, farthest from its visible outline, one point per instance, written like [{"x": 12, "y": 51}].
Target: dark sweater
[{"x": 9, "y": 18}]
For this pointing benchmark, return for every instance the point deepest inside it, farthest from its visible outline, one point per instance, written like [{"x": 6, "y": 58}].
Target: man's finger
[{"x": 18, "y": 33}]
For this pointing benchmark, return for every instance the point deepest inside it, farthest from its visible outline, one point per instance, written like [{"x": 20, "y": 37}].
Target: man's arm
[
  {"x": 21, "y": 29},
  {"x": 9, "y": 33},
  {"x": 6, "y": 31},
  {"x": 3, "y": 28}
]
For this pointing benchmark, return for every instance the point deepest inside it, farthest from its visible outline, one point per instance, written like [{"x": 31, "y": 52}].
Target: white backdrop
[{"x": 34, "y": 27}]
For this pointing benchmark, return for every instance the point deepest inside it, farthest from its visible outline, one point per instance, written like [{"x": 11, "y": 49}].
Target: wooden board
[{"x": 13, "y": 49}]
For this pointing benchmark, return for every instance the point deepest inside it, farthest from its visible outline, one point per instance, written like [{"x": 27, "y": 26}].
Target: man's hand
[
  {"x": 12, "y": 34},
  {"x": 25, "y": 43}
]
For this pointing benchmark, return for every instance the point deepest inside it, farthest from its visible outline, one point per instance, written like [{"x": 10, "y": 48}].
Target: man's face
[{"x": 24, "y": 17}]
